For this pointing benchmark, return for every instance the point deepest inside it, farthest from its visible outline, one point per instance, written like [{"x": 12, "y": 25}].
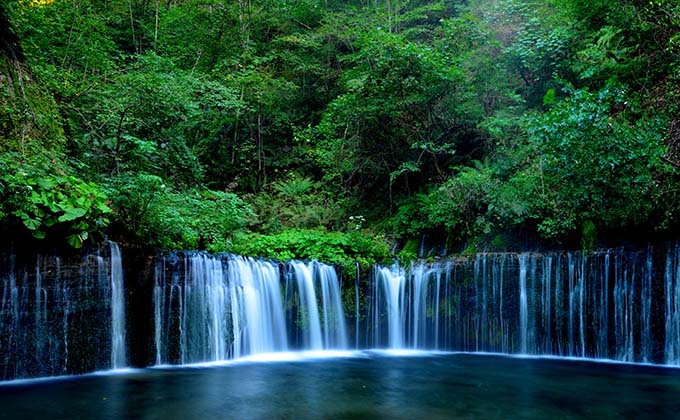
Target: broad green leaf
[
  {"x": 32, "y": 224},
  {"x": 45, "y": 183},
  {"x": 75, "y": 241},
  {"x": 72, "y": 213}
]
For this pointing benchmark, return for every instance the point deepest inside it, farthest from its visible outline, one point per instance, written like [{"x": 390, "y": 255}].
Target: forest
[{"x": 340, "y": 130}]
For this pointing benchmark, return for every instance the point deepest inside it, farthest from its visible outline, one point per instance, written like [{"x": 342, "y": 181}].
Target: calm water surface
[{"x": 369, "y": 385}]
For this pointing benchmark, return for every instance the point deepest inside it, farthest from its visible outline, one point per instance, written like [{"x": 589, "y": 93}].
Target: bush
[
  {"x": 156, "y": 215},
  {"x": 45, "y": 201},
  {"x": 344, "y": 249}
]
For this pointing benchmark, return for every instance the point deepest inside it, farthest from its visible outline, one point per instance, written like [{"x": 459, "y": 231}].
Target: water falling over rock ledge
[
  {"x": 613, "y": 305},
  {"x": 68, "y": 315},
  {"x": 57, "y": 314},
  {"x": 210, "y": 308}
]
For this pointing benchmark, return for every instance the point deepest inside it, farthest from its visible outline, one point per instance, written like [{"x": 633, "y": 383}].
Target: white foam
[
  {"x": 112, "y": 372},
  {"x": 275, "y": 357},
  {"x": 406, "y": 352},
  {"x": 565, "y": 358}
]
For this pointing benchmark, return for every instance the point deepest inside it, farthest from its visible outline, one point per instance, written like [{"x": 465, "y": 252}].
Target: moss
[
  {"x": 409, "y": 253},
  {"x": 411, "y": 246},
  {"x": 499, "y": 242},
  {"x": 29, "y": 117},
  {"x": 471, "y": 248},
  {"x": 588, "y": 235}
]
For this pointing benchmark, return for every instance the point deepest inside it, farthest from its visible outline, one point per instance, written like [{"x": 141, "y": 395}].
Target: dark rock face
[
  {"x": 55, "y": 314},
  {"x": 9, "y": 41}
]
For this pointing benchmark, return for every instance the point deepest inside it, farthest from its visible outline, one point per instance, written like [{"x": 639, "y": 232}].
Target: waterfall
[
  {"x": 40, "y": 312},
  {"x": 309, "y": 307},
  {"x": 159, "y": 310},
  {"x": 572, "y": 296},
  {"x": 207, "y": 308},
  {"x": 257, "y": 308},
  {"x": 357, "y": 275},
  {"x": 67, "y": 305},
  {"x": 523, "y": 310},
  {"x": 559, "y": 310},
  {"x": 624, "y": 299},
  {"x": 118, "y": 353},
  {"x": 546, "y": 304},
  {"x": 436, "y": 302},
  {"x": 392, "y": 283},
  {"x": 318, "y": 319},
  {"x": 203, "y": 303},
  {"x": 479, "y": 314},
  {"x": 603, "y": 309},
  {"x": 410, "y": 306},
  {"x": 581, "y": 306},
  {"x": 419, "y": 309},
  {"x": 211, "y": 308},
  {"x": 193, "y": 313},
  {"x": 63, "y": 316},
  {"x": 646, "y": 310},
  {"x": 56, "y": 314},
  {"x": 610, "y": 305},
  {"x": 334, "y": 329},
  {"x": 672, "y": 313}
]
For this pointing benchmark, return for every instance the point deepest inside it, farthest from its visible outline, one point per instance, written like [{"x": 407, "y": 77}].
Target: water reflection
[{"x": 440, "y": 386}]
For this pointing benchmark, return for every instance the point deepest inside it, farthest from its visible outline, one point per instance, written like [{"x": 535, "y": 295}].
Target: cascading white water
[
  {"x": 503, "y": 326},
  {"x": 320, "y": 318},
  {"x": 559, "y": 310},
  {"x": 616, "y": 305},
  {"x": 448, "y": 309},
  {"x": 436, "y": 301},
  {"x": 56, "y": 315},
  {"x": 158, "y": 310},
  {"x": 546, "y": 304},
  {"x": 356, "y": 305},
  {"x": 410, "y": 306},
  {"x": 118, "y": 352},
  {"x": 523, "y": 308},
  {"x": 603, "y": 308},
  {"x": 624, "y": 296},
  {"x": 572, "y": 304},
  {"x": 598, "y": 305},
  {"x": 334, "y": 328},
  {"x": 646, "y": 311},
  {"x": 581, "y": 306},
  {"x": 204, "y": 312},
  {"x": 393, "y": 283},
  {"x": 419, "y": 308},
  {"x": 309, "y": 307},
  {"x": 672, "y": 315},
  {"x": 479, "y": 316},
  {"x": 67, "y": 305},
  {"x": 40, "y": 313},
  {"x": 256, "y": 307}
]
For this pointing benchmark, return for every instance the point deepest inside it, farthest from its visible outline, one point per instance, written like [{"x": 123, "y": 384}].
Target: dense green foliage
[
  {"x": 344, "y": 249},
  {"x": 308, "y": 129}
]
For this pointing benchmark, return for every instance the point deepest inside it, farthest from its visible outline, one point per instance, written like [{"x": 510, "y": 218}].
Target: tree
[{"x": 397, "y": 121}]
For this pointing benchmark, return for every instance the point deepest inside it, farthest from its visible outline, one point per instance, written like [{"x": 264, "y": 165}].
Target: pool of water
[{"x": 357, "y": 385}]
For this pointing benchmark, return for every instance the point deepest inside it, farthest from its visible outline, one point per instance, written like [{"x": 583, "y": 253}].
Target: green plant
[
  {"x": 157, "y": 215},
  {"x": 588, "y": 235},
  {"x": 52, "y": 202},
  {"x": 298, "y": 202},
  {"x": 345, "y": 249}
]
